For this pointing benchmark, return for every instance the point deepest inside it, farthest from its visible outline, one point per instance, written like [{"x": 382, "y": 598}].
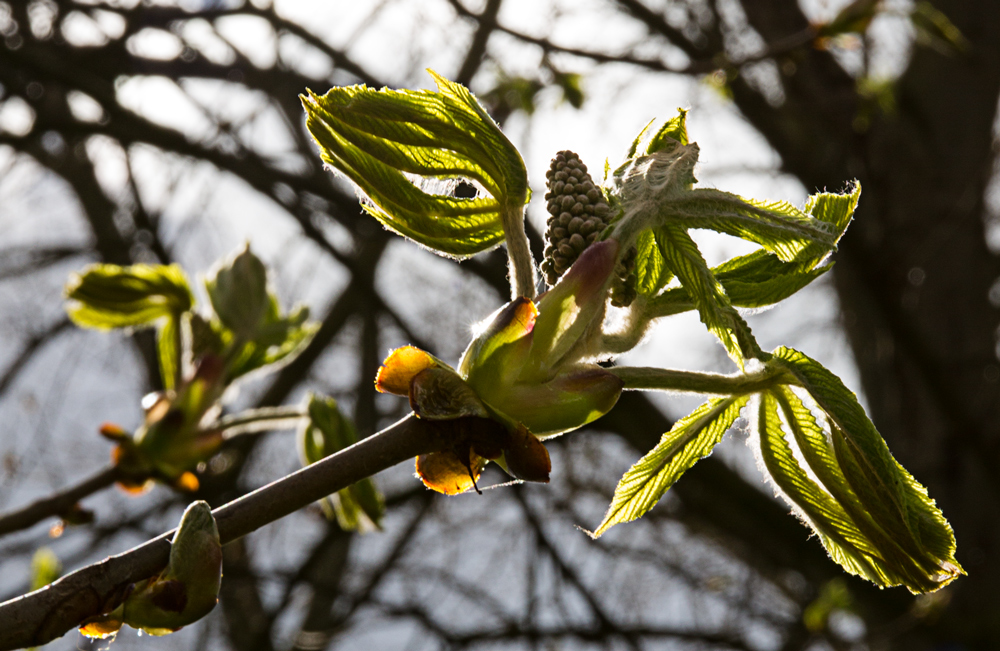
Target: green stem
[
  {"x": 259, "y": 420},
  {"x": 660, "y": 379},
  {"x": 179, "y": 348},
  {"x": 521, "y": 263},
  {"x": 672, "y": 301}
]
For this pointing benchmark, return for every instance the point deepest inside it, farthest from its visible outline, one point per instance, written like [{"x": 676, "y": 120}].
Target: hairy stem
[
  {"x": 658, "y": 379},
  {"x": 521, "y": 264},
  {"x": 58, "y": 503},
  {"x": 44, "y": 615}
]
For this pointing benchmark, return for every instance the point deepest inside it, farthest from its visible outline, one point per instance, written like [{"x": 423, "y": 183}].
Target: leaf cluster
[
  {"x": 200, "y": 355},
  {"x": 872, "y": 516}
]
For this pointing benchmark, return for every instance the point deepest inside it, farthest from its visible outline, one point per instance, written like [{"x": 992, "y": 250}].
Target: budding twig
[{"x": 46, "y": 614}]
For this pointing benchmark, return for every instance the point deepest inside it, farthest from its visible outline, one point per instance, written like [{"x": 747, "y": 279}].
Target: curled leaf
[
  {"x": 237, "y": 288},
  {"x": 108, "y": 296},
  {"x": 381, "y": 139},
  {"x": 359, "y": 507},
  {"x": 910, "y": 536}
]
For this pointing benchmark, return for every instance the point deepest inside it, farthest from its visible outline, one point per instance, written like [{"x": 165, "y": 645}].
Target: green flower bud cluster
[
  {"x": 579, "y": 212},
  {"x": 623, "y": 290}
]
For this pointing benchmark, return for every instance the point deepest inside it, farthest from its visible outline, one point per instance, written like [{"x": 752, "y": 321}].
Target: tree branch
[
  {"x": 56, "y": 504},
  {"x": 46, "y": 614}
]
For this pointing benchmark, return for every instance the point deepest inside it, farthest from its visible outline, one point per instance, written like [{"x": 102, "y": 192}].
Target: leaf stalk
[{"x": 521, "y": 264}]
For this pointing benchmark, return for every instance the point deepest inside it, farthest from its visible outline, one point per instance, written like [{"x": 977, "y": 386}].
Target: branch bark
[
  {"x": 46, "y": 614},
  {"x": 58, "y": 503}
]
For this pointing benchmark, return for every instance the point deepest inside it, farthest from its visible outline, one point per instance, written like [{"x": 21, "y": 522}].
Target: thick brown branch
[{"x": 44, "y": 615}]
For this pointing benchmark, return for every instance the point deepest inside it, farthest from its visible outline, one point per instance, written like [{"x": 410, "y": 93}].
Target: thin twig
[
  {"x": 44, "y": 615},
  {"x": 57, "y": 504}
]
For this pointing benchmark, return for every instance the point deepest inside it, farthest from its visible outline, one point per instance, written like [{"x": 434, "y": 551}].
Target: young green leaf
[
  {"x": 671, "y": 134},
  {"x": 691, "y": 438},
  {"x": 359, "y": 506},
  {"x": 108, "y": 296},
  {"x": 891, "y": 507},
  {"x": 846, "y": 545},
  {"x": 935, "y": 30},
  {"x": 237, "y": 288},
  {"x": 891, "y": 564},
  {"x": 755, "y": 280},
  {"x": 717, "y": 313},
  {"x": 45, "y": 568},
  {"x": 651, "y": 271},
  {"x": 278, "y": 340},
  {"x": 834, "y": 209},
  {"x": 376, "y": 138},
  {"x": 778, "y": 226}
]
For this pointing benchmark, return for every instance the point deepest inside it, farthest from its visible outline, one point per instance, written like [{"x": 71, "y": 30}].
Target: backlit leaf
[
  {"x": 717, "y": 313},
  {"x": 108, "y": 296},
  {"x": 378, "y": 137},
  {"x": 755, "y": 280},
  {"x": 691, "y": 438},
  {"x": 237, "y": 288},
  {"x": 651, "y": 271},
  {"x": 45, "y": 568},
  {"x": 778, "y": 226},
  {"x": 815, "y": 506},
  {"x": 897, "y": 512},
  {"x": 358, "y": 507}
]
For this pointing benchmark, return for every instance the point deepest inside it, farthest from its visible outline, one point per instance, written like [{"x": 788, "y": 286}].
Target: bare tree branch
[
  {"x": 44, "y": 615},
  {"x": 57, "y": 504}
]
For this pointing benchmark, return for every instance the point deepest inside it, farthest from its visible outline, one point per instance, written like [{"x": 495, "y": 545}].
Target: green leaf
[
  {"x": 846, "y": 545},
  {"x": 935, "y": 30},
  {"x": 777, "y": 226},
  {"x": 761, "y": 278},
  {"x": 109, "y": 296},
  {"x": 571, "y": 84},
  {"x": 206, "y": 336},
  {"x": 853, "y": 18},
  {"x": 755, "y": 280},
  {"x": 898, "y": 514},
  {"x": 670, "y": 134},
  {"x": 833, "y": 596},
  {"x": 717, "y": 313},
  {"x": 237, "y": 288},
  {"x": 378, "y": 137},
  {"x": 837, "y": 210},
  {"x": 651, "y": 270},
  {"x": 691, "y": 438},
  {"x": 891, "y": 564},
  {"x": 45, "y": 568},
  {"x": 358, "y": 507},
  {"x": 513, "y": 94},
  {"x": 278, "y": 340}
]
